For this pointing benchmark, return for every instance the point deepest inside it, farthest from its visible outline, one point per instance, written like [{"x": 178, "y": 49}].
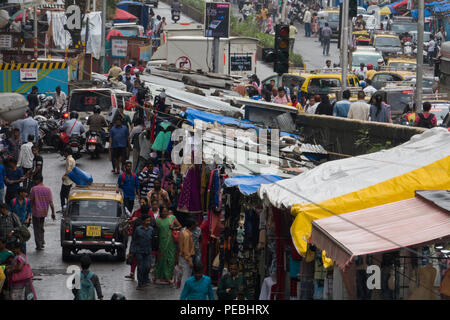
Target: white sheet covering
[
  {"x": 62, "y": 38},
  {"x": 336, "y": 178}
]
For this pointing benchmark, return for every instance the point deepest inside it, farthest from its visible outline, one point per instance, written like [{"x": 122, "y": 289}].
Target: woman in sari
[
  {"x": 20, "y": 275},
  {"x": 165, "y": 262}
]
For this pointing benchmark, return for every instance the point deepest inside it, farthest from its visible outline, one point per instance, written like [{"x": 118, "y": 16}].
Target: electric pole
[
  {"x": 345, "y": 8},
  {"x": 103, "y": 48},
  {"x": 420, "y": 31},
  {"x": 35, "y": 31}
]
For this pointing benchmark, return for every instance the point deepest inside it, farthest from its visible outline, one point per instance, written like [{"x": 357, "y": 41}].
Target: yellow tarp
[
  {"x": 384, "y": 11},
  {"x": 435, "y": 176}
]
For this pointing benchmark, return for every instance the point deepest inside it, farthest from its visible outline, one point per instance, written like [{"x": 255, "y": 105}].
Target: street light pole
[{"x": 419, "y": 69}]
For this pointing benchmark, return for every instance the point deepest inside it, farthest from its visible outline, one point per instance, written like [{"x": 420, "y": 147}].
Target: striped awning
[
  {"x": 389, "y": 227},
  {"x": 32, "y": 65}
]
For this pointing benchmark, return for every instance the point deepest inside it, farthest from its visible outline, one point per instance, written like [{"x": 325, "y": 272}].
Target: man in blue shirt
[
  {"x": 29, "y": 126},
  {"x": 341, "y": 107},
  {"x": 21, "y": 206},
  {"x": 197, "y": 287},
  {"x": 142, "y": 248},
  {"x": 118, "y": 144},
  {"x": 14, "y": 176},
  {"x": 129, "y": 184}
]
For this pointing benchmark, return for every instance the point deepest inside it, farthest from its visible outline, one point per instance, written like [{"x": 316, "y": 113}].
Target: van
[{"x": 84, "y": 100}]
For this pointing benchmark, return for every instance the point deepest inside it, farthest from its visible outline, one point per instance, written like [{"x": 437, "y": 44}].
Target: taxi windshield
[
  {"x": 333, "y": 17},
  {"x": 357, "y": 59},
  {"x": 95, "y": 208},
  {"x": 403, "y": 65},
  {"x": 387, "y": 42}
]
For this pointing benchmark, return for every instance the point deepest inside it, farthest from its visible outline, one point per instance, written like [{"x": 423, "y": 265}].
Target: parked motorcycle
[
  {"x": 175, "y": 16},
  {"x": 94, "y": 144},
  {"x": 75, "y": 143},
  {"x": 48, "y": 131}
]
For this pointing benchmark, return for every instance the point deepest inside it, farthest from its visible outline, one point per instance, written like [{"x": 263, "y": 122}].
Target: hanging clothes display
[
  {"x": 163, "y": 138},
  {"x": 189, "y": 200}
]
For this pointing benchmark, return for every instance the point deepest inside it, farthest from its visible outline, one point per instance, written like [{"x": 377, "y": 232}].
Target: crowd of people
[{"x": 369, "y": 104}]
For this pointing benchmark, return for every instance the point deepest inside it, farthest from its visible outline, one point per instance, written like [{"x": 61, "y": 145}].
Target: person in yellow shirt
[
  {"x": 370, "y": 71},
  {"x": 295, "y": 103}
]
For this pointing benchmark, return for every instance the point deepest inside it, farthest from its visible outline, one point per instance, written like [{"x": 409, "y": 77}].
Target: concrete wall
[{"x": 339, "y": 134}]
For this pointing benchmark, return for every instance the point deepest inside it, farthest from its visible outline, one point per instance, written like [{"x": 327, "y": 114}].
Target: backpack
[
  {"x": 122, "y": 179},
  {"x": 87, "y": 290},
  {"x": 15, "y": 201},
  {"x": 425, "y": 122}
]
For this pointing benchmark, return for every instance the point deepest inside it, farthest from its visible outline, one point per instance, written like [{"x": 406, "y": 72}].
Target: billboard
[{"x": 217, "y": 19}]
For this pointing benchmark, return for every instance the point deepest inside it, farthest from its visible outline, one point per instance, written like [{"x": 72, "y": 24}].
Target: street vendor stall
[{"x": 402, "y": 228}]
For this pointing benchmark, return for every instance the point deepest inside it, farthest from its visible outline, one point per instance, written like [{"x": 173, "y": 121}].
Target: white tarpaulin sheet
[
  {"x": 336, "y": 178},
  {"x": 62, "y": 38}
]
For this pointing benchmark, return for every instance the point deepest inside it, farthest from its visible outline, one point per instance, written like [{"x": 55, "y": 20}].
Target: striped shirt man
[{"x": 146, "y": 181}]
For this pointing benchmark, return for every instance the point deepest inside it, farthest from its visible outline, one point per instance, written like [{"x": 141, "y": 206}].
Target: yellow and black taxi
[
  {"x": 380, "y": 78},
  {"x": 402, "y": 63},
  {"x": 321, "y": 81},
  {"x": 94, "y": 219}
]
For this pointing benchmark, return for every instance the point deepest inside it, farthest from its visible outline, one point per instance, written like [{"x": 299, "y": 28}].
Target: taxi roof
[
  {"x": 396, "y": 59},
  {"x": 385, "y": 35},
  {"x": 95, "y": 195}
]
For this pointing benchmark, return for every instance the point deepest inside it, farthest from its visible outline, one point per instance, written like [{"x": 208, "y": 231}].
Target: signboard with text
[
  {"x": 28, "y": 75},
  {"x": 217, "y": 19},
  {"x": 119, "y": 48},
  {"x": 6, "y": 41},
  {"x": 241, "y": 63}
]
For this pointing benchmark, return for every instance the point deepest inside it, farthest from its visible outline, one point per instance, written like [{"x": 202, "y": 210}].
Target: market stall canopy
[
  {"x": 385, "y": 11},
  {"x": 123, "y": 15},
  {"x": 361, "y": 182},
  {"x": 383, "y": 228},
  {"x": 250, "y": 184}
]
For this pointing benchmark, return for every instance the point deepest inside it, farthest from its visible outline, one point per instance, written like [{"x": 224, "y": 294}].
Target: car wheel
[
  {"x": 121, "y": 254},
  {"x": 65, "y": 254}
]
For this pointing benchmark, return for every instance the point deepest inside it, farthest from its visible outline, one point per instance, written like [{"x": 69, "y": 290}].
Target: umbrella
[
  {"x": 113, "y": 33},
  {"x": 385, "y": 11},
  {"x": 123, "y": 15}
]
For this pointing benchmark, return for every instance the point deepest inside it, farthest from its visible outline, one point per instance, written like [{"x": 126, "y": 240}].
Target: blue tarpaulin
[
  {"x": 250, "y": 184},
  {"x": 415, "y": 13},
  {"x": 192, "y": 114}
]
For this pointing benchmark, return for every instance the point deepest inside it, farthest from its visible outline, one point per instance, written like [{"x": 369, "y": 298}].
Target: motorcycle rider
[
  {"x": 97, "y": 122},
  {"x": 72, "y": 126},
  {"x": 176, "y": 6},
  {"x": 247, "y": 7}
]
